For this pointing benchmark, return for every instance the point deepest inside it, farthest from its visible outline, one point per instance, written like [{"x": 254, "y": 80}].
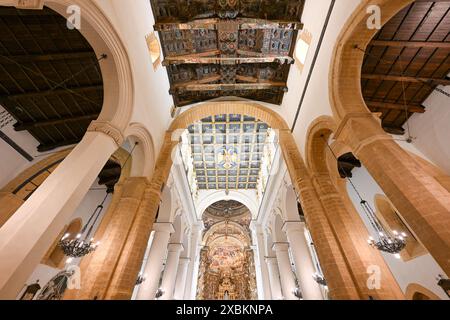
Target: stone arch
[
  {"x": 318, "y": 133},
  {"x": 346, "y": 224},
  {"x": 344, "y": 81},
  {"x": 116, "y": 69},
  {"x": 197, "y": 113},
  {"x": 144, "y": 153},
  {"x": 55, "y": 256},
  {"x": 236, "y": 195},
  {"x": 423, "y": 201},
  {"x": 415, "y": 291}
]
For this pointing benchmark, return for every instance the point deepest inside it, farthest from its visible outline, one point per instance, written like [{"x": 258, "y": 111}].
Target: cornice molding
[{"x": 107, "y": 128}]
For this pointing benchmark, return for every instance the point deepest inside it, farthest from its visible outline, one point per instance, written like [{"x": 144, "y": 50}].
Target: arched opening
[
  {"x": 415, "y": 291},
  {"x": 360, "y": 129},
  {"x": 332, "y": 166},
  {"x": 227, "y": 270}
]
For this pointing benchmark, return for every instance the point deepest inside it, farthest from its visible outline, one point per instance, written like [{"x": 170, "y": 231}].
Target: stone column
[
  {"x": 274, "y": 278},
  {"x": 171, "y": 270},
  {"x": 304, "y": 266},
  {"x": 422, "y": 201},
  {"x": 352, "y": 234},
  {"x": 286, "y": 273},
  {"x": 98, "y": 268},
  {"x": 262, "y": 270},
  {"x": 180, "y": 284},
  {"x": 116, "y": 269},
  {"x": 155, "y": 261},
  {"x": 27, "y": 235},
  {"x": 192, "y": 274},
  {"x": 340, "y": 282}
]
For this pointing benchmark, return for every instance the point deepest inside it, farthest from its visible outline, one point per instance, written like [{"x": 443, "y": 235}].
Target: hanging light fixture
[
  {"x": 385, "y": 240},
  {"x": 83, "y": 243},
  {"x": 319, "y": 279}
]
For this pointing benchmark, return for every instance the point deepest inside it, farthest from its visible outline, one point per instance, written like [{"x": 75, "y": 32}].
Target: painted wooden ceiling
[{"x": 221, "y": 48}]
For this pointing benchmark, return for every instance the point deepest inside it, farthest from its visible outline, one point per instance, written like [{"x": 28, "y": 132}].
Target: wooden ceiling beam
[
  {"x": 227, "y": 60},
  {"x": 244, "y": 24},
  {"x": 47, "y": 57},
  {"x": 395, "y": 106},
  {"x": 381, "y": 77},
  {"x": 40, "y": 94},
  {"x": 58, "y": 144},
  {"x": 33, "y": 125},
  {"x": 205, "y": 80},
  {"x": 410, "y": 44},
  {"x": 231, "y": 86}
]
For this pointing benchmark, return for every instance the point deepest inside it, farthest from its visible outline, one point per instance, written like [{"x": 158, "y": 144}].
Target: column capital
[
  {"x": 292, "y": 226},
  {"x": 280, "y": 246},
  {"x": 175, "y": 247},
  {"x": 360, "y": 129},
  {"x": 163, "y": 227},
  {"x": 107, "y": 128}
]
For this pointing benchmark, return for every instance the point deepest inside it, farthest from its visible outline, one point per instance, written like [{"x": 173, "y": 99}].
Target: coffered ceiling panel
[
  {"x": 227, "y": 151},
  {"x": 220, "y": 48}
]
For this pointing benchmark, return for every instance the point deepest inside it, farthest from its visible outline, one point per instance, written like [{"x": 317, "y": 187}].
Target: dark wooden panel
[{"x": 406, "y": 61}]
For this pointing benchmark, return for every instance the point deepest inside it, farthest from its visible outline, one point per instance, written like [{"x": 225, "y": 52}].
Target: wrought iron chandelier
[
  {"x": 82, "y": 244},
  {"x": 385, "y": 240}
]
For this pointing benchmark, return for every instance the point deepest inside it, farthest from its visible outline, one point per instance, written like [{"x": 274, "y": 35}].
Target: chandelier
[
  {"x": 386, "y": 241},
  {"x": 392, "y": 242},
  {"x": 227, "y": 157},
  {"x": 82, "y": 244},
  {"x": 319, "y": 279}
]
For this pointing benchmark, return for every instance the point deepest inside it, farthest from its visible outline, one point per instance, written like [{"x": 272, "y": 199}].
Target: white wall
[
  {"x": 431, "y": 129},
  {"x": 93, "y": 198},
  {"x": 134, "y": 20},
  {"x": 422, "y": 270}
]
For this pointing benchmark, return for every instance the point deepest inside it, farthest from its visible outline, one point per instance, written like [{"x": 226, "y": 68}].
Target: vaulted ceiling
[
  {"x": 406, "y": 61},
  {"x": 50, "y": 79},
  {"x": 219, "y": 48}
]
